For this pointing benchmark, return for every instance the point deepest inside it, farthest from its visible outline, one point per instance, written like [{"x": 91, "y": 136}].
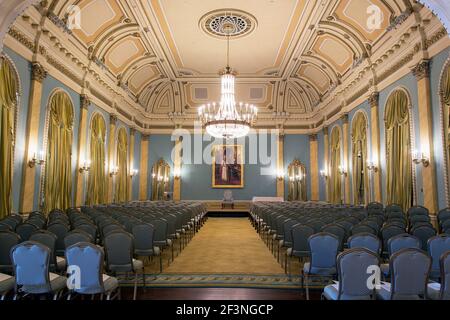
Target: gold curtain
[
  {"x": 58, "y": 180},
  {"x": 359, "y": 158},
  {"x": 335, "y": 178},
  {"x": 446, "y": 106},
  {"x": 97, "y": 176},
  {"x": 122, "y": 163},
  {"x": 398, "y": 151},
  {"x": 8, "y": 101}
]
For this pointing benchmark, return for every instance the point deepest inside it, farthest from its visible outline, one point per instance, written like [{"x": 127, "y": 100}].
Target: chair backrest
[
  {"x": 403, "y": 241},
  {"x": 418, "y": 211},
  {"x": 31, "y": 267},
  {"x": 443, "y": 216},
  {"x": 119, "y": 251},
  {"x": 353, "y": 266},
  {"x": 288, "y": 225},
  {"x": 338, "y": 231},
  {"x": 300, "y": 235},
  {"x": 77, "y": 236},
  {"x": 393, "y": 208},
  {"x": 111, "y": 228},
  {"x": 437, "y": 246},
  {"x": 160, "y": 229},
  {"x": 228, "y": 195},
  {"x": 7, "y": 241},
  {"x": 388, "y": 232},
  {"x": 362, "y": 228},
  {"x": 410, "y": 269},
  {"x": 88, "y": 228},
  {"x": 89, "y": 258},
  {"x": 324, "y": 249},
  {"x": 445, "y": 276},
  {"x": 25, "y": 230},
  {"x": 365, "y": 240},
  {"x": 60, "y": 231},
  {"x": 424, "y": 233},
  {"x": 48, "y": 239},
  {"x": 143, "y": 236}
]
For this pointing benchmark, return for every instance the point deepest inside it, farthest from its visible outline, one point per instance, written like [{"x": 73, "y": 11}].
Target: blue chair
[
  {"x": 60, "y": 230},
  {"x": 424, "y": 233},
  {"x": 441, "y": 291},
  {"x": 300, "y": 247},
  {"x": 88, "y": 259},
  {"x": 25, "y": 230},
  {"x": 144, "y": 245},
  {"x": 119, "y": 256},
  {"x": 286, "y": 242},
  {"x": 418, "y": 211},
  {"x": 397, "y": 243},
  {"x": 388, "y": 232},
  {"x": 31, "y": 262},
  {"x": 338, "y": 231},
  {"x": 353, "y": 266},
  {"x": 76, "y": 236},
  {"x": 323, "y": 249},
  {"x": 437, "y": 246},
  {"x": 7, "y": 241},
  {"x": 365, "y": 240},
  {"x": 48, "y": 239},
  {"x": 410, "y": 269},
  {"x": 362, "y": 228}
]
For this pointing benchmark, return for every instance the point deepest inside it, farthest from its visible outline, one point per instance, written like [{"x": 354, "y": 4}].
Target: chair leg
[
  {"x": 135, "y": 285},
  {"x": 143, "y": 279},
  {"x": 307, "y": 286},
  {"x": 160, "y": 264}
]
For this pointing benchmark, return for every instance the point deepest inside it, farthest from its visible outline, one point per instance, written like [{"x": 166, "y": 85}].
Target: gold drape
[
  {"x": 97, "y": 177},
  {"x": 8, "y": 101},
  {"x": 446, "y": 106},
  {"x": 122, "y": 163},
  {"x": 58, "y": 180},
  {"x": 335, "y": 178},
  {"x": 398, "y": 151},
  {"x": 359, "y": 158}
]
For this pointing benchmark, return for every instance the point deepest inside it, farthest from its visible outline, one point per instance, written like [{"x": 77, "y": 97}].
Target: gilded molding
[
  {"x": 441, "y": 33},
  {"x": 21, "y": 38}
]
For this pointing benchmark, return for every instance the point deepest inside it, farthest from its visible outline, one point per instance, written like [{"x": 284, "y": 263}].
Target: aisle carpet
[{"x": 225, "y": 253}]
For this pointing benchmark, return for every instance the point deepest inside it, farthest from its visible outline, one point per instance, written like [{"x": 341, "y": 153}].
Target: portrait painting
[{"x": 228, "y": 166}]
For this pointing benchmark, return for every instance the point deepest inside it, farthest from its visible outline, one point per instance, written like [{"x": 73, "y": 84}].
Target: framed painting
[{"x": 227, "y": 166}]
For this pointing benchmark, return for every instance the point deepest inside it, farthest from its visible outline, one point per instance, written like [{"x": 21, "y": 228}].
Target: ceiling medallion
[{"x": 228, "y": 22}]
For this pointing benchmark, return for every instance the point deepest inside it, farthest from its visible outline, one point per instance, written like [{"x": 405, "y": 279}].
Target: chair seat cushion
[
  {"x": 57, "y": 282},
  {"x": 110, "y": 283},
  {"x": 318, "y": 271},
  {"x": 331, "y": 292},
  {"x": 384, "y": 293},
  {"x": 6, "y": 283},
  {"x": 137, "y": 264},
  {"x": 434, "y": 291}
]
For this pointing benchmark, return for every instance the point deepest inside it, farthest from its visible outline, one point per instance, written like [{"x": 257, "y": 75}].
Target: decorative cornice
[
  {"x": 441, "y": 33},
  {"x": 38, "y": 73},
  {"x": 21, "y": 38},
  {"x": 84, "y": 101},
  {"x": 374, "y": 100},
  {"x": 422, "y": 70}
]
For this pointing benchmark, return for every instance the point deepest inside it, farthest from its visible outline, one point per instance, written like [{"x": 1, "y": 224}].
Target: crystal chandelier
[{"x": 228, "y": 120}]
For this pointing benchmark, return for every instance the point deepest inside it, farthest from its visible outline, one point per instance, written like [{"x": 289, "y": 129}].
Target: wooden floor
[{"x": 218, "y": 294}]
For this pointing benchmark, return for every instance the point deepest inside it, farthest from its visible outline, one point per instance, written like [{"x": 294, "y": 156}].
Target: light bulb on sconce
[
  {"x": 280, "y": 174},
  {"x": 342, "y": 171},
  {"x": 35, "y": 161},
  {"x": 421, "y": 158},
  {"x": 114, "y": 171},
  {"x": 324, "y": 174},
  {"x": 134, "y": 172},
  {"x": 85, "y": 167},
  {"x": 371, "y": 166},
  {"x": 177, "y": 173}
]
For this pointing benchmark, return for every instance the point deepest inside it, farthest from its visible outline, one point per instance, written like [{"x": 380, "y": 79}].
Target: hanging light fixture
[{"x": 228, "y": 120}]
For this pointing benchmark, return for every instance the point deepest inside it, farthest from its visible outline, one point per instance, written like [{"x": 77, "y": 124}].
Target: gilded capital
[
  {"x": 313, "y": 137},
  {"x": 38, "y": 73},
  {"x": 345, "y": 118},
  {"x": 374, "y": 100},
  {"x": 84, "y": 101},
  {"x": 422, "y": 70},
  {"x": 112, "y": 119},
  {"x": 325, "y": 131}
]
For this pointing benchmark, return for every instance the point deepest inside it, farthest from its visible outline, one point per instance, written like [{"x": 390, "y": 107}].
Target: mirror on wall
[
  {"x": 297, "y": 181},
  {"x": 160, "y": 181}
]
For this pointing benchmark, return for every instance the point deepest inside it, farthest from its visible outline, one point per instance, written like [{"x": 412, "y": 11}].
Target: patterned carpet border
[{"x": 219, "y": 281}]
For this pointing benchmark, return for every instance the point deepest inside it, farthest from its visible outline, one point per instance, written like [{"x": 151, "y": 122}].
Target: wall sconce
[
  {"x": 34, "y": 160},
  {"x": 85, "y": 167},
  {"x": 133, "y": 173},
  {"x": 342, "y": 171},
  {"x": 160, "y": 178},
  {"x": 280, "y": 174},
  {"x": 371, "y": 166},
  {"x": 177, "y": 173},
  {"x": 114, "y": 171},
  {"x": 324, "y": 174},
  {"x": 422, "y": 159}
]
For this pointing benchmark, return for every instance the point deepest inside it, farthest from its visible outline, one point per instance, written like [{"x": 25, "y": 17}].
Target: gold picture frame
[{"x": 228, "y": 170}]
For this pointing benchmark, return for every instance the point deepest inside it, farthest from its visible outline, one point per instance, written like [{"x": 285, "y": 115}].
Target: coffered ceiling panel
[
  {"x": 335, "y": 51},
  {"x": 122, "y": 53}
]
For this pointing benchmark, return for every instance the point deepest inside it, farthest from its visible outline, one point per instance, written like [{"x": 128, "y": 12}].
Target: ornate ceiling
[{"x": 292, "y": 56}]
